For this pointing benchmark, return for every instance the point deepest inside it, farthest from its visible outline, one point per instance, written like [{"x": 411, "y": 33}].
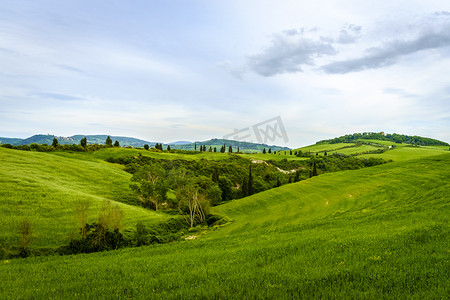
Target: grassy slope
[
  {"x": 44, "y": 188},
  {"x": 369, "y": 233}
]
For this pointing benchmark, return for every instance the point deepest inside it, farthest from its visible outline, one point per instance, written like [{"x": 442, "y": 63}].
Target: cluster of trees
[
  {"x": 191, "y": 187},
  {"x": 83, "y": 146},
  {"x": 217, "y": 181},
  {"x": 396, "y": 138}
]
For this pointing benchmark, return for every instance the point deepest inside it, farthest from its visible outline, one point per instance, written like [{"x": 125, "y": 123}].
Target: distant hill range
[
  {"x": 396, "y": 138},
  {"x": 75, "y": 139},
  {"x": 134, "y": 142}
]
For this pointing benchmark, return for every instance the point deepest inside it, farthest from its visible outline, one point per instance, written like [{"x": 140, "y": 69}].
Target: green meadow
[
  {"x": 378, "y": 232},
  {"x": 45, "y": 188}
]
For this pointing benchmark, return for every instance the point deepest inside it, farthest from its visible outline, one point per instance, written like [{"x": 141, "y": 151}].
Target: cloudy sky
[{"x": 195, "y": 70}]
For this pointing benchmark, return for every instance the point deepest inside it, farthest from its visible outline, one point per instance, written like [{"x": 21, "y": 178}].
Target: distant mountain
[
  {"x": 75, "y": 139},
  {"x": 129, "y": 141},
  {"x": 12, "y": 141},
  {"x": 243, "y": 146}
]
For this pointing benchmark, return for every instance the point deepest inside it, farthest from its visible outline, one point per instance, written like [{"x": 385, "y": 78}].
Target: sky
[{"x": 166, "y": 71}]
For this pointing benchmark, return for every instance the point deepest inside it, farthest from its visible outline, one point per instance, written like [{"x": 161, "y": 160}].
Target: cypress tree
[
  {"x": 55, "y": 142},
  {"x": 297, "y": 176},
  {"x": 264, "y": 151},
  {"x": 230, "y": 149},
  {"x": 270, "y": 150},
  {"x": 108, "y": 142},
  {"x": 244, "y": 187},
  {"x": 215, "y": 175},
  {"x": 83, "y": 142},
  {"x": 116, "y": 144},
  {"x": 168, "y": 147},
  {"x": 250, "y": 181},
  {"x": 314, "y": 173},
  {"x": 215, "y": 149}
]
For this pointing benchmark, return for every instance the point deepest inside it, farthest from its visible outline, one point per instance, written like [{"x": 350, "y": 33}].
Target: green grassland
[
  {"x": 371, "y": 233},
  {"x": 45, "y": 187}
]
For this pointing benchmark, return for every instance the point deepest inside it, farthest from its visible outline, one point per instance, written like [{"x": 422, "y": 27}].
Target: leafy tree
[
  {"x": 278, "y": 182},
  {"x": 116, "y": 144},
  {"x": 108, "y": 142},
  {"x": 168, "y": 147},
  {"x": 83, "y": 142},
  {"x": 264, "y": 151},
  {"x": 146, "y": 147},
  {"x": 225, "y": 186},
  {"x": 270, "y": 151},
  {"x": 55, "y": 143},
  {"x": 214, "y": 194},
  {"x": 210, "y": 149},
  {"x": 148, "y": 185}
]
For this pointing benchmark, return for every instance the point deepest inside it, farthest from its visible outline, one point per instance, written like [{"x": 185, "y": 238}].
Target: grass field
[
  {"x": 380, "y": 232},
  {"x": 44, "y": 188}
]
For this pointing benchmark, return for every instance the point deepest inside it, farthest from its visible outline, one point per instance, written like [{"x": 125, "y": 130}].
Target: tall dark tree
[
  {"x": 238, "y": 149},
  {"x": 264, "y": 151},
  {"x": 215, "y": 149},
  {"x": 83, "y": 142},
  {"x": 146, "y": 147},
  {"x": 116, "y": 144},
  {"x": 168, "y": 147},
  {"x": 55, "y": 142},
  {"x": 108, "y": 142},
  {"x": 270, "y": 151},
  {"x": 210, "y": 149},
  {"x": 245, "y": 187},
  {"x": 314, "y": 172},
  {"x": 297, "y": 176},
  {"x": 195, "y": 146},
  {"x": 215, "y": 175},
  {"x": 250, "y": 181},
  {"x": 204, "y": 148},
  {"x": 230, "y": 149},
  {"x": 290, "y": 152}
]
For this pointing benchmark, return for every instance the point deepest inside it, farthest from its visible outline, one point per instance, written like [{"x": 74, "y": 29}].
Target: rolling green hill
[
  {"x": 370, "y": 233},
  {"x": 44, "y": 188}
]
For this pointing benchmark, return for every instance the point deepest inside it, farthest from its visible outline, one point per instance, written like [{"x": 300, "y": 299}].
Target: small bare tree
[
  {"x": 26, "y": 234},
  {"x": 82, "y": 212},
  {"x": 195, "y": 204}
]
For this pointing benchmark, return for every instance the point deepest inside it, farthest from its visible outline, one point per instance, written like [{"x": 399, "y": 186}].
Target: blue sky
[{"x": 195, "y": 70}]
